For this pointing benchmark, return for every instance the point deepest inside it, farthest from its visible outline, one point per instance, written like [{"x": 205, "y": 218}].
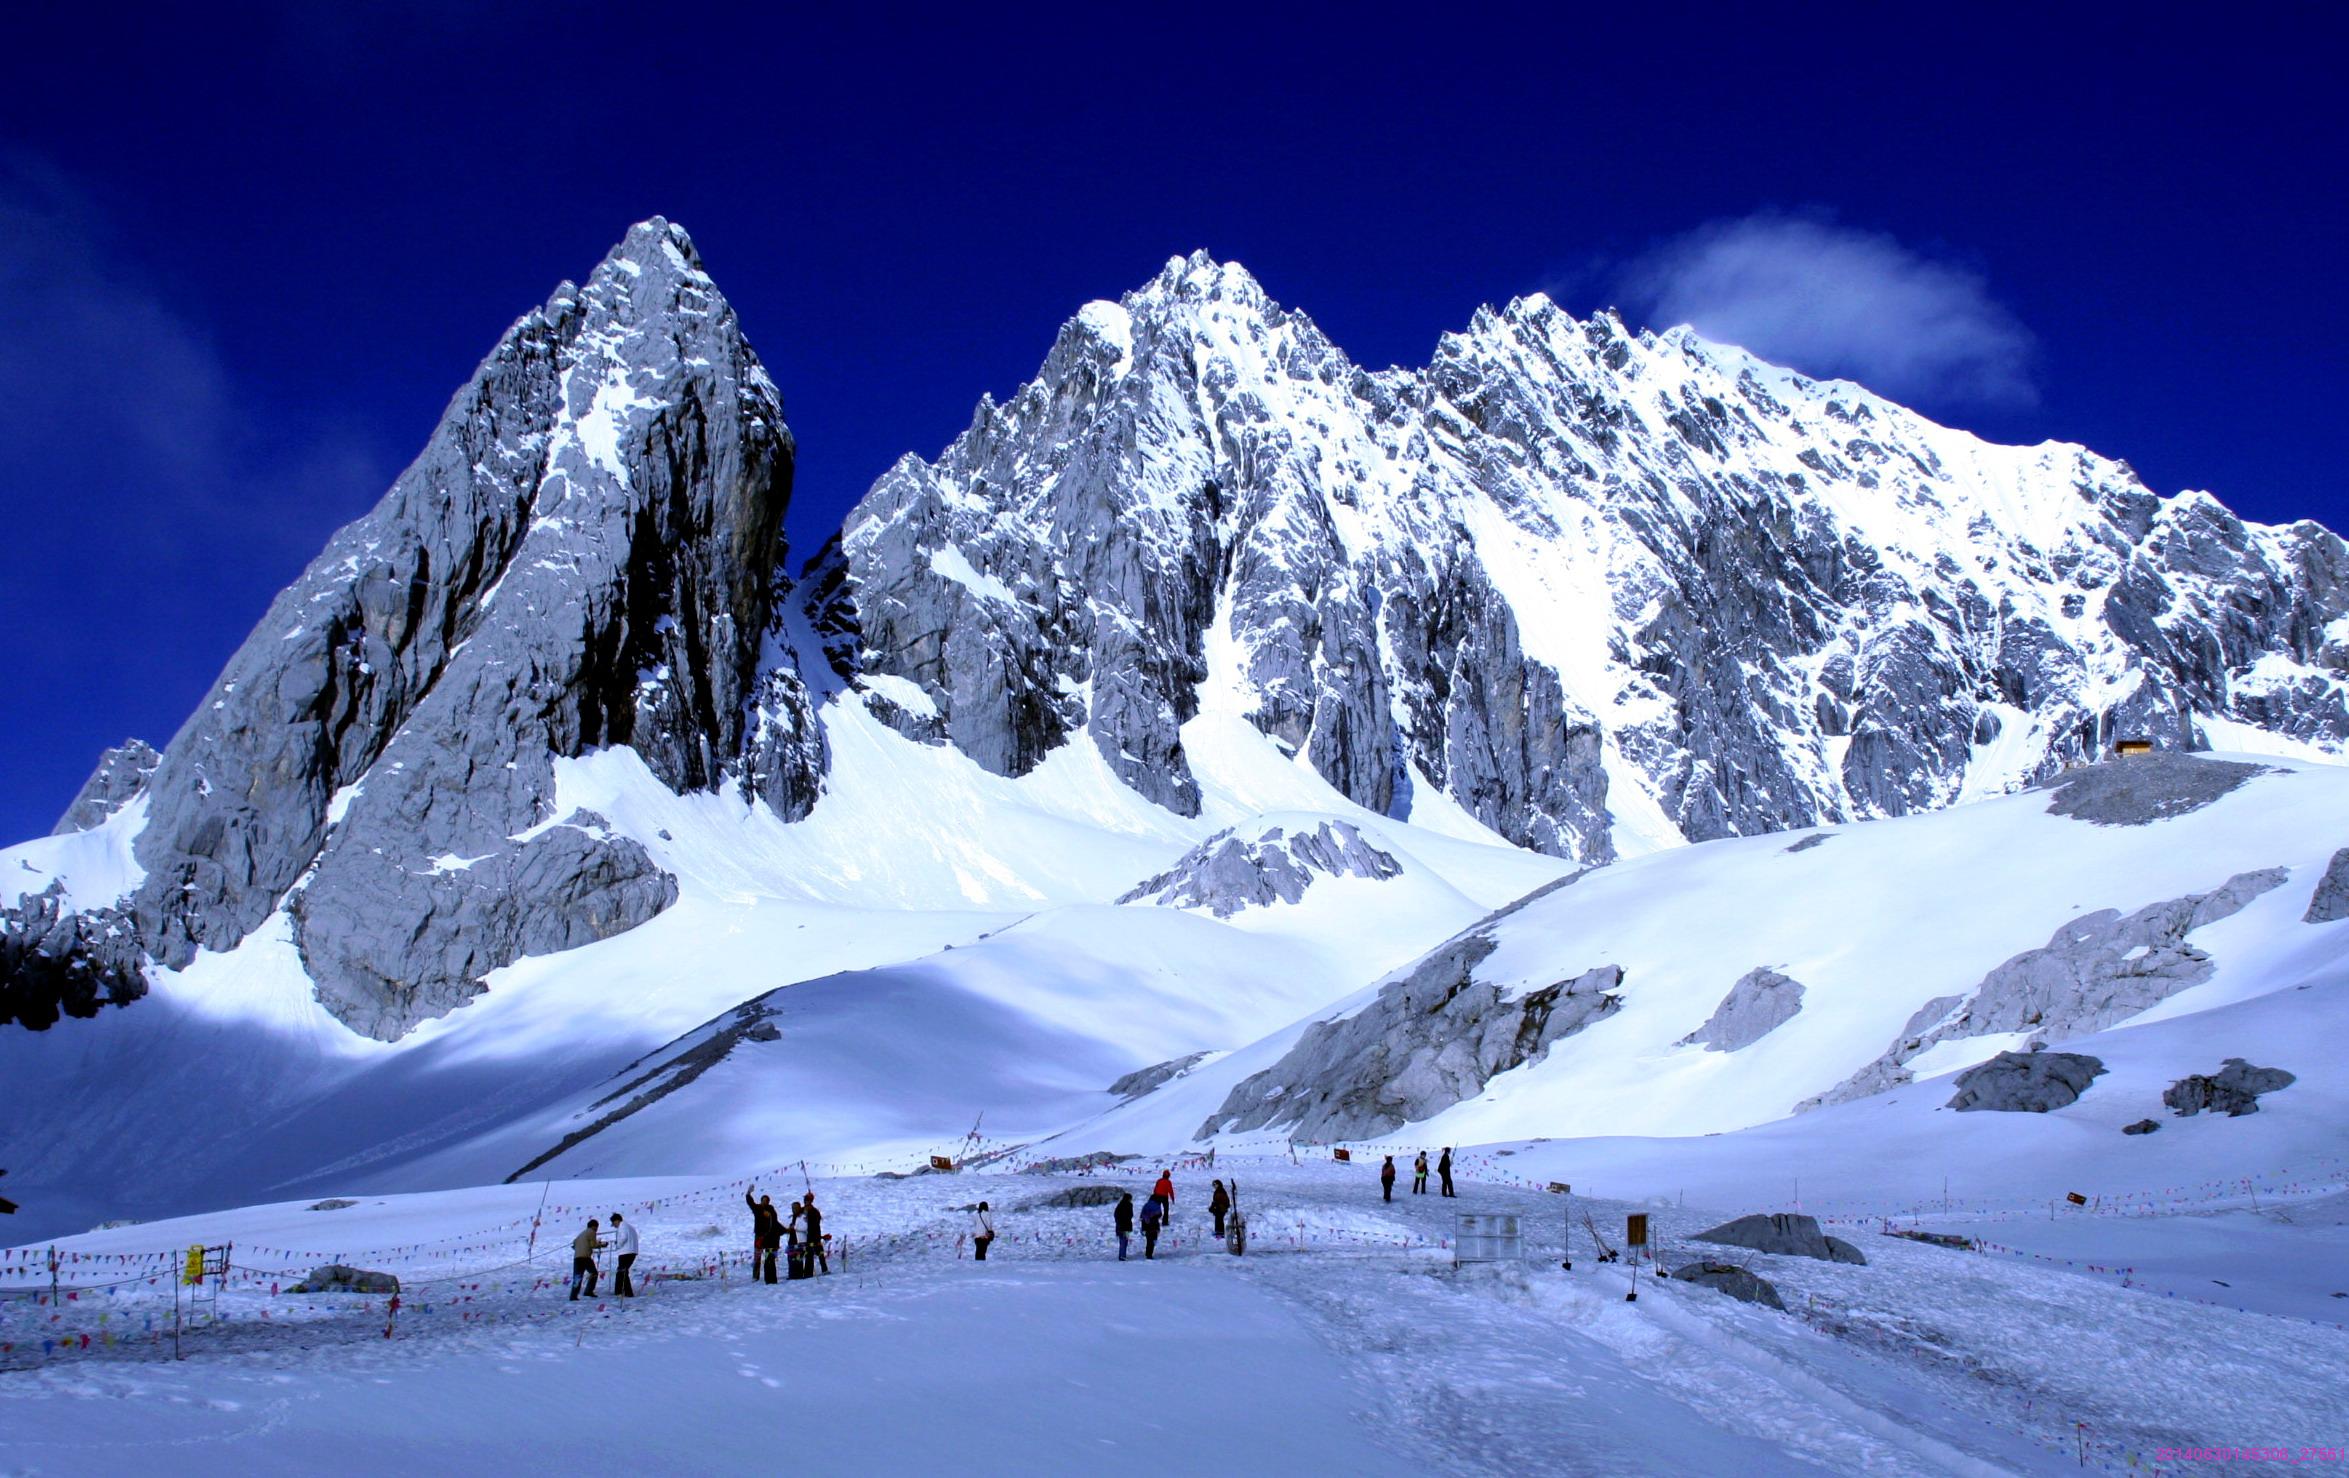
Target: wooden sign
[
  {"x": 1635, "y": 1229},
  {"x": 1346, "y": 1155},
  {"x": 2076, "y": 1198},
  {"x": 940, "y": 1162},
  {"x": 1560, "y": 1188}
]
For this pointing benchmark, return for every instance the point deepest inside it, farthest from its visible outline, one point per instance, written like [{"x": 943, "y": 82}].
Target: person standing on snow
[
  {"x": 583, "y": 1250},
  {"x": 766, "y": 1234},
  {"x": 1419, "y": 1175},
  {"x": 1217, "y": 1204},
  {"x": 813, "y": 1221},
  {"x": 982, "y": 1232},
  {"x": 1164, "y": 1191},
  {"x": 1444, "y": 1169},
  {"x": 1123, "y": 1219},
  {"x": 624, "y": 1258},
  {"x": 1153, "y": 1216},
  {"x": 1386, "y": 1178}
]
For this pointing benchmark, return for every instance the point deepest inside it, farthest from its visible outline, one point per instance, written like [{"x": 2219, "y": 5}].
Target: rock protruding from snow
[
  {"x": 2138, "y": 790},
  {"x": 121, "y": 777},
  {"x": 1759, "y": 1003},
  {"x": 2330, "y": 901},
  {"x": 2142, "y": 1126},
  {"x": 1228, "y": 873},
  {"x": 1727, "y": 1277},
  {"x": 2097, "y": 971},
  {"x": 2233, "y": 1090},
  {"x": 57, "y": 963},
  {"x": 1784, "y": 1234},
  {"x": 1429, "y": 1039},
  {"x": 1150, "y": 1079},
  {"x": 2025, "y": 1082}
]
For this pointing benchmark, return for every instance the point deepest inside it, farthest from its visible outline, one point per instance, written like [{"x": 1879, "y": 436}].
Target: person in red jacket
[{"x": 1164, "y": 1191}]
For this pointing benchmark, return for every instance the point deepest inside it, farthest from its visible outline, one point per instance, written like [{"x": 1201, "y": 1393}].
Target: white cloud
[{"x": 1832, "y": 300}]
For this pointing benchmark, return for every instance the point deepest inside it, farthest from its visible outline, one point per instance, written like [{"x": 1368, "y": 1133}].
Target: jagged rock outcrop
[
  {"x": 2330, "y": 901},
  {"x": 585, "y": 554},
  {"x": 1783, "y": 1234},
  {"x": 1759, "y": 1003},
  {"x": 56, "y": 962},
  {"x": 1158, "y": 1075},
  {"x": 2097, "y": 971},
  {"x": 1563, "y": 557},
  {"x": 121, "y": 777},
  {"x": 1229, "y": 872},
  {"x": 1431, "y": 1038},
  {"x": 2025, "y": 1082},
  {"x": 2233, "y": 1090}
]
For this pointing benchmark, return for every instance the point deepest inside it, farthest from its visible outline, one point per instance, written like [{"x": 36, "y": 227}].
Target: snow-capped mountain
[{"x": 1193, "y": 690}]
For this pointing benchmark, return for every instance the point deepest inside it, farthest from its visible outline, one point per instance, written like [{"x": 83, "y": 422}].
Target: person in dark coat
[
  {"x": 1218, "y": 1202},
  {"x": 1444, "y": 1168},
  {"x": 982, "y": 1232},
  {"x": 1419, "y": 1175},
  {"x": 1153, "y": 1217},
  {"x": 1386, "y": 1178},
  {"x": 766, "y": 1234},
  {"x": 583, "y": 1250},
  {"x": 811, "y": 1222},
  {"x": 1123, "y": 1217}
]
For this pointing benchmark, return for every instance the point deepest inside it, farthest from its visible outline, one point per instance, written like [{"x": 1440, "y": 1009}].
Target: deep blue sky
[{"x": 245, "y": 257}]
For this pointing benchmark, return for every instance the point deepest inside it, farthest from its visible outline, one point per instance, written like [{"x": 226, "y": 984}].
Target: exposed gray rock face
[
  {"x": 2234, "y": 1090},
  {"x": 121, "y": 777},
  {"x": 1149, "y": 1079},
  {"x": 1761, "y": 1002},
  {"x": 1373, "y": 565},
  {"x": 2025, "y": 1082},
  {"x": 1227, "y": 872},
  {"x": 1431, "y": 1038},
  {"x": 2330, "y": 901},
  {"x": 1785, "y": 1234},
  {"x": 584, "y": 555},
  {"x": 2097, "y": 971},
  {"x": 1077, "y": 1197},
  {"x": 54, "y": 962},
  {"x": 2145, "y": 788},
  {"x": 1729, "y": 1278}
]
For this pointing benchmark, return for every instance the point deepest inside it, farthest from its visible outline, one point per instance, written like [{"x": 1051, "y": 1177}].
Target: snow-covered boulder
[
  {"x": 1727, "y": 1277},
  {"x": 337, "y": 1278},
  {"x": 1229, "y": 871}
]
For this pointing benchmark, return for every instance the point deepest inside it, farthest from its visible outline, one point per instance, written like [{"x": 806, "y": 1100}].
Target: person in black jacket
[
  {"x": 1386, "y": 1178},
  {"x": 812, "y": 1227},
  {"x": 1444, "y": 1168},
  {"x": 1123, "y": 1217},
  {"x": 1218, "y": 1202},
  {"x": 766, "y": 1234}
]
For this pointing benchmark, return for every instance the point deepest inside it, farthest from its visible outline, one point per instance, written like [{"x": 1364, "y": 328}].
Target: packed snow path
[{"x": 1344, "y": 1341}]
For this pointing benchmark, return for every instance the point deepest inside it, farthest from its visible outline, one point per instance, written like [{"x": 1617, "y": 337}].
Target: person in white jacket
[
  {"x": 624, "y": 1246},
  {"x": 982, "y": 1232}
]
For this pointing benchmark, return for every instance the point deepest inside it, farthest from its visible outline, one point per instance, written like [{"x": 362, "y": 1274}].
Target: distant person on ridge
[
  {"x": 1164, "y": 1191},
  {"x": 1217, "y": 1204},
  {"x": 583, "y": 1249},
  {"x": 766, "y": 1234},
  {"x": 624, "y": 1258},
  {"x": 1444, "y": 1168},
  {"x": 1153, "y": 1217},
  {"x": 1419, "y": 1175},
  {"x": 1123, "y": 1219},
  {"x": 1386, "y": 1178},
  {"x": 982, "y": 1232}
]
